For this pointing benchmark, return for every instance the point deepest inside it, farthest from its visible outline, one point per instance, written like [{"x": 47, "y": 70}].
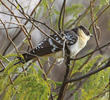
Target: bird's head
[{"x": 82, "y": 32}]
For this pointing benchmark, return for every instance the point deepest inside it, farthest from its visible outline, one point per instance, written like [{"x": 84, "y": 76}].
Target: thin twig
[
  {"x": 2, "y": 66},
  {"x": 22, "y": 12},
  {"x": 87, "y": 60},
  {"x": 35, "y": 7},
  {"x": 94, "y": 25},
  {"x": 90, "y": 73},
  {"x": 20, "y": 29},
  {"x": 60, "y": 17},
  {"x": 29, "y": 18},
  {"x": 51, "y": 67},
  {"x": 21, "y": 26},
  {"x": 11, "y": 81},
  {"x": 32, "y": 23},
  {"x": 102, "y": 12},
  {"x": 63, "y": 15},
  {"x": 34, "y": 20},
  {"x": 10, "y": 37},
  {"x": 18, "y": 5},
  {"x": 9, "y": 28},
  {"x": 64, "y": 84},
  {"x": 80, "y": 17},
  {"x": 82, "y": 81},
  {"x": 101, "y": 93},
  {"x": 105, "y": 45}
]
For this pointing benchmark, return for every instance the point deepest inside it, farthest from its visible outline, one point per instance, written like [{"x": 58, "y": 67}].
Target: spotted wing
[{"x": 47, "y": 46}]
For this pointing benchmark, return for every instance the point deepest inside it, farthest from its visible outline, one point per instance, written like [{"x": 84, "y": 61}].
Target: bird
[{"x": 76, "y": 40}]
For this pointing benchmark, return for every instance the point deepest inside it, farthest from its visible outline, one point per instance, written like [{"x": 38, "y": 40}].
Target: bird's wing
[{"x": 45, "y": 47}]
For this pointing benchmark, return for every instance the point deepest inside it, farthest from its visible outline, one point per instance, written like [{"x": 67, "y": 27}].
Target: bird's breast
[{"x": 79, "y": 45}]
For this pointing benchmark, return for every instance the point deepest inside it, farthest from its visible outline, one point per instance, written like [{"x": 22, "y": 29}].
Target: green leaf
[
  {"x": 10, "y": 68},
  {"x": 17, "y": 7},
  {"x": 75, "y": 9},
  {"x": 104, "y": 2},
  {"x": 11, "y": 55},
  {"x": 4, "y": 59}
]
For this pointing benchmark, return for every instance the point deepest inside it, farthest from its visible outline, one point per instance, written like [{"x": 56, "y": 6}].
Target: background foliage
[{"x": 29, "y": 81}]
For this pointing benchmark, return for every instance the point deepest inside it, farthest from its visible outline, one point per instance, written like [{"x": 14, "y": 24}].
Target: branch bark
[{"x": 64, "y": 84}]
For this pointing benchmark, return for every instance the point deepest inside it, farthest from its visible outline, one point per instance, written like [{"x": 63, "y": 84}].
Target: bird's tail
[{"x": 25, "y": 58}]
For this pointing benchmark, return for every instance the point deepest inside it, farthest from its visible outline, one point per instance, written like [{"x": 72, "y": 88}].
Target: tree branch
[
  {"x": 61, "y": 12},
  {"x": 105, "y": 45},
  {"x": 64, "y": 84},
  {"x": 90, "y": 73}
]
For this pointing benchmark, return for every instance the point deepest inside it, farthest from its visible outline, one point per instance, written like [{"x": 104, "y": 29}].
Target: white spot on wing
[{"x": 53, "y": 45}]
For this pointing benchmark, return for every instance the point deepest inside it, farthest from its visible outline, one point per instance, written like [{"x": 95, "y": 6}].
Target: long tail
[{"x": 26, "y": 57}]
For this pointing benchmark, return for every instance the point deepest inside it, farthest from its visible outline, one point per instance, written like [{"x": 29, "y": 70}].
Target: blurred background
[{"x": 49, "y": 14}]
